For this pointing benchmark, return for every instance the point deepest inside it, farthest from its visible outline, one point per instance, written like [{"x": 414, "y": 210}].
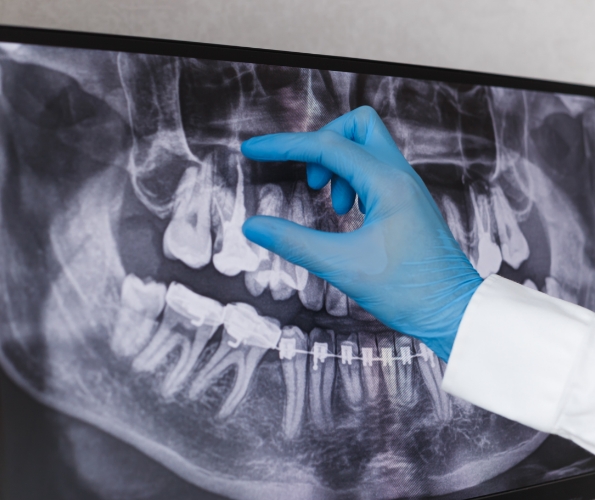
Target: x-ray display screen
[{"x": 133, "y": 304}]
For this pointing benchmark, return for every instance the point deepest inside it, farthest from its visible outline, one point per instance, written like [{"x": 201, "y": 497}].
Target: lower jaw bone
[
  {"x": 141, "y": 304},
  {"x": 370, "y": 368},
  {"x": 244, "y": 358},
  {"x": 293, "y": 365},
  {"x": 350, "y": 370},
  {"x": 322, "y": 377},
  {"x": 188, "y": 235},
  {"x": 246, "y": 338},
  {"x": 432, "y": 373}
]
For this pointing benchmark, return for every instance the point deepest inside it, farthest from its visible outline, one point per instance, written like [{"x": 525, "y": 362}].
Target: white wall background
[{"x": 551, "y": 39}]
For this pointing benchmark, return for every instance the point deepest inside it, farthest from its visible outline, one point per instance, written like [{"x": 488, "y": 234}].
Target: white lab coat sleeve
[{"x": 529, "y": 357}]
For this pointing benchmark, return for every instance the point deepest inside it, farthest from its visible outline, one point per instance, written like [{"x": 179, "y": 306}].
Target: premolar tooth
[
  {"x": 322, "y": 376},
  {"x": 406, "y": 394},
  {"x": 455, "y": 222},
  {"x": 312, "y": 296},
  {"x": 141, "y": 304},
  {"x": 486, "y": 257},
  {"x": 188, "y": 235},
  {"x": 294, "y": 373},
  {"x": 514, "y": 246},
  {"x": 350, "y": 370},
  {"x": 389, "y": 366},
  {"x": 432, "y": 372},
  {"x": 370, "y": 368},
  {"x": 245, "y": 340},
  {"x": 236, "y": 255},
  {"x": 335, "y": 301}
]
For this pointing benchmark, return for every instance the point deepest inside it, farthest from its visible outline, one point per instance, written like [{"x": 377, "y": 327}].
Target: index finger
[{"x": 341, "y": 156}]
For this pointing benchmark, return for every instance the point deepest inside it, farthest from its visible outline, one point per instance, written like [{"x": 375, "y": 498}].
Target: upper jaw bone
[
  {"x": 293, "y": 354},
  {"x": 188, "y": 235},
  {"x": 246, "y": 338},
  {"x": 236, "y": 254},
  {"x": 140, "y": 305}
]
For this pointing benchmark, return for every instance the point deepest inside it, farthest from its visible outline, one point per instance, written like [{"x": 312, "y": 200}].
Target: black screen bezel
[{"x": 574, "y": 488}]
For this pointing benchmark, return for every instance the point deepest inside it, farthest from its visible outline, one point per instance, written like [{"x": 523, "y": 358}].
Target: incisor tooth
[
  {"x": 406, "y": 394},
  {"x": 389, "y": 366},
  {"x": 236, "y": 255},
  {"x": 140, "y": 305},
  {"x": 294, "y": 375},
  {"x": 322, "y": 376},
  {"x": 188, "y": 235}
]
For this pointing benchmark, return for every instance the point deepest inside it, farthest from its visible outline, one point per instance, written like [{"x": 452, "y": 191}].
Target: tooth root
[
  {"x": 356, "y": 312},
  {"x": 487, "y": 257},
  {"x": 188, "y": 235},
  {"x": 322, "y": 376},
  {"x": 370, "y": 368},
  {"x": 335, "y": 301},
  {"x": 431, "y": 371},
  {"x": 236, "y": 254},
  {"x": 389, "y": 367},
  {"x": 350, "y": 370},
  {"x": 312, "y": 296},
  {"x": 244, "y": 358},
  {"x": 140, "y": 305},
  {"x": 294, "y": 375},
  {"x": 454, "y": 222},
  {"x": 407, "y": 396},
  {"x": 514, "y": 246}
]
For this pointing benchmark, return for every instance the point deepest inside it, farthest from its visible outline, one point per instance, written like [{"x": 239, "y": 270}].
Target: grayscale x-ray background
[{"x": 121, "y": 177}]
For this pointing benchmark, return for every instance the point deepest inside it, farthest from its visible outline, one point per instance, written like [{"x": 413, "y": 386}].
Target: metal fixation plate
[
  {"x": 287, "y": 348},
  {"x": 320, "y": 353},
  {"x": 346, "y": 353},
  {"x": 367, "y": 356}
]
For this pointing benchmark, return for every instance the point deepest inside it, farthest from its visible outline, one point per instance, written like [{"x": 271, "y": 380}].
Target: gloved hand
[{"x": 402, "y": 265}]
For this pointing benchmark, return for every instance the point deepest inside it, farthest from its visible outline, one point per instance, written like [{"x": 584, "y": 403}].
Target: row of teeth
[{"x": 169, "y": 327}]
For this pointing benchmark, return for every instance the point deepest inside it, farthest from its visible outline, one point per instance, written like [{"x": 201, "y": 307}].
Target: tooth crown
[{"x": 246, "y": 326}]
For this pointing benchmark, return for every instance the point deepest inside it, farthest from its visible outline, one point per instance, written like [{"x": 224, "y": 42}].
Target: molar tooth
[
  {"x": 486, "y": 257},
  {"x": 187, "y": 316},
  {"x": 236, "y": 254},
  {"x": 322, "y": 376},
  {"x": 188, "y": 235},
  {"x": 370, "y": 368},
  {"x": 245, "y": 340},
  {"x": 406, "y": 394},
  {"x": 432, "y": 372},
  {"x": 293, "y": 365},
  {"x": 335, "y": 301},
  {"x": 350, "y": 370},
  {"x": 141, "y": 304},
  {"x": 514, "y": 246}
]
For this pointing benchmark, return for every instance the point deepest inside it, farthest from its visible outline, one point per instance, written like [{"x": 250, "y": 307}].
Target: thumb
[{"x": 317, "y": 251}]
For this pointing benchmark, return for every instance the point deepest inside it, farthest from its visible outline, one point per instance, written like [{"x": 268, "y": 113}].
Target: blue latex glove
[{"x": 402, "y": 265}]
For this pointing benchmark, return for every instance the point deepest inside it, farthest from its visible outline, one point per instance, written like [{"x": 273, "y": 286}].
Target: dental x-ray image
[{"x": 132, "y": 303}]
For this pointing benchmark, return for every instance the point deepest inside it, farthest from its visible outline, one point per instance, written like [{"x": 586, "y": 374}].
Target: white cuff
[{"x": 518, "y": 353}]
